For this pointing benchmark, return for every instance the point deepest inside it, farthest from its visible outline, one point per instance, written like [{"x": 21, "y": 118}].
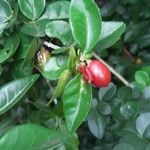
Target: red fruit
[{"x": 96, "y": 73}]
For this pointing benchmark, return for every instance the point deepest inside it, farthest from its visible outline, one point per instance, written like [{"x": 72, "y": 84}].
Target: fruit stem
[{"x": 113, "y": 71}]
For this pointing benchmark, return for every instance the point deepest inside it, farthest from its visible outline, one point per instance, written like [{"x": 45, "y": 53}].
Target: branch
[{"x": 120, "y": 77}]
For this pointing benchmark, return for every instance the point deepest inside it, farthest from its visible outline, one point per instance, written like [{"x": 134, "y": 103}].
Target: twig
[
  {"x": 120, "y": 77},
  {"x": 51, "y": 45}
]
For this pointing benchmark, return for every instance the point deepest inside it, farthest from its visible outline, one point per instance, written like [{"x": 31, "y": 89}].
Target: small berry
[{"x": 96, "y": 73}]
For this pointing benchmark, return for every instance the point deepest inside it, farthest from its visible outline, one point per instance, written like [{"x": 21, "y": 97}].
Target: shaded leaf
[
  {"x": 110, "y": 34},
  {"x": 35, "y": 28},
  {"x": 97, "y": 124},
  {"x": 10, "y": 46},
  {"x": 142, "y": 122}
]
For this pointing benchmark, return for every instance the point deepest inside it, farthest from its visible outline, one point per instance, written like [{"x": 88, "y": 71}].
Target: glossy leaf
[
  {"x": 76, "y": 102},
  {"x": 54, "y": 67},
  {"x": 142, "y": 122},
  {"x": 110, "y": 34},
  {"x": 10, "y": 46},
  {"x": 5, "y": 11},
  {"x": 97, "y": 124},
  {"x": 28, "y": 136},
  {"x": 31, "y": 136},
  {"x": 32, "y": 9},
  {"x": 12, "y": 92},
  {"x": 85, "y": 21},
  {"x": 60, "y": 30},
  {"x": 107, "y": 93},
  {"x": 35, "y": 28},
  {"x": 56, "y": 10}
]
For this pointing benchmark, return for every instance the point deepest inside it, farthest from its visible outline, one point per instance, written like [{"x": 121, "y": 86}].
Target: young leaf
[
  {"x": 5, "y": 10},
  {"x": 76, "y": 102},
  {"x": 35, "y": 28},
  {"x": 142, "y": 77},
  {"x": 32, "y": 9},
  {"x": 63, "y": 79},
  {"x": 85, "y": 21},
  {"x": 12, "y": 92},
  {"x": 56, "y": 10},
  {"x": 10, "y": 46},
  {"x": 60, "y": 30},
  {"x": 110, "y": 34}
]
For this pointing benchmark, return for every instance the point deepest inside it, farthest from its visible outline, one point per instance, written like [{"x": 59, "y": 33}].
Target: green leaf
[
  {"x": 35, "y": 28},
  {"x": 97, "y": 124},
  {"x": 12, "y": 92},
  {"x": 32, "y": 9},
  {"x": 2, "y": 27},
  {"x": 1, "y": 69},
  {"x": 85, "y": 21},
  {"x": 6, "y": 125},
  {"x": 125, "y": 93},
  {"x": 54, "y": 67},
  {"x": 72, "y": 59},
  {"x": 20, "y": 70},
  {"x": 134, "y": 140},
  {"x": 110, "y": 34},
  {"x": 126, "y": 111},
  {"x": 56, "y": 10},
  {"x": 146, "y": 133},
  {"x": 28, "y": 136},
  {"x": 60, "y": 30},
  {"x": 107, "y": 93},
  {"x": 63, "y": 79},
  {"x": 103, "y": 108},
  {"x": 142, "y": 77},
  {"x": 123, "y": 146},
  {"x": 147, "y": 147},
  {"x": 5, "y": 11},
  {"x": 31, "y": 136},
  {"x": 142, "y": 122},
  {"x": 10, "y": 46},
  {"x": 27, "y": 48},
  {"x": 76, "y": 102},
  {"x": 146, "y": 93}
]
